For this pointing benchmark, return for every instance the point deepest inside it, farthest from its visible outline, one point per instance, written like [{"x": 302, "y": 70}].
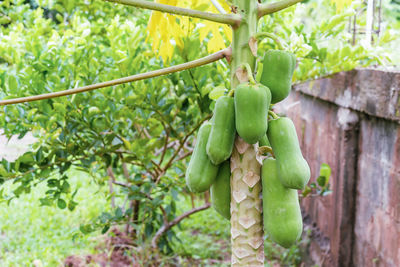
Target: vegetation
[{"x": 117, "y": 156}]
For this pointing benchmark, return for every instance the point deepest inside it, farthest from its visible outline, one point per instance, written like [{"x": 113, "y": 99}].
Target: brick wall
[{"x": 352, "y": 122}]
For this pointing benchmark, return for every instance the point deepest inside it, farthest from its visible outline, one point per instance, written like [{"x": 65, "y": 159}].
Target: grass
[
  {"x": 204, "y": 236},
  {"x": 30, "y": 232}
]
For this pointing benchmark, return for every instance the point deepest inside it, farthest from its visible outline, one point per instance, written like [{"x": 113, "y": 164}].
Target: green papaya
[
  {"x": 293, "y": 169},
  {"x": 277, "y": 73},
  {"x": 221, "y": 191},
  {"x": 251, "y": 109},
  {"x": 201, "y": 173},
  {"x": 264, "y": 141},
  {"x": 222, "y": 136},
  {"x": 281, "y": 210}
]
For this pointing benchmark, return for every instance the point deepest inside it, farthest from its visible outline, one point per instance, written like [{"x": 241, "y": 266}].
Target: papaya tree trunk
[
  {"x": 246, "y": 221},
  {"x": 246, "y": 206}
]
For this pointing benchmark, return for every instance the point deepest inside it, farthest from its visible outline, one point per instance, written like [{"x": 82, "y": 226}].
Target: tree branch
[
  {"x": 183, "y": 143},
  {"x": 230, "y": 19},
  {"x": 192, "y": 64},
  {"x": 185, "y": 155},
  {"x": 164, "y": 150},
  {"x": 269, "y": 8},
  {"x": 158, "y": 167},
  {"x": 177, "y": 220},
  {"x": 111, "y": 180},
  {"x": 120, "y": 184}
]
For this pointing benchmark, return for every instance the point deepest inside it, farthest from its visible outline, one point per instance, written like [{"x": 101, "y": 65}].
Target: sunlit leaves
[
  {"x": 167, "y": 31},
  {"x": 340, "y": 4},
  {"x": 319, "y": 36},
  {"x": 321, "y": 185},
  {"x": 122, "y": 128}
]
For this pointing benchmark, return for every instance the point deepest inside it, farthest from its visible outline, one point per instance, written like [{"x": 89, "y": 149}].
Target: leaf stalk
[
  {"x": 269, "y": 8},
  {"x": 192, "y": 64},
  {"x": 230, "y": 19}
]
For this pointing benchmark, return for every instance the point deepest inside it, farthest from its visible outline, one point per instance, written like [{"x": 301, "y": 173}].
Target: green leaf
[
  {"x": 61, "y": 203},
  {"x": 46, "y": 201},
  {"x": 86, "y": 229},
  {"x": 321, "y": 180},
  {"x": 217, "y": 92},
  {"x": 53, "y": 183},
  {"x": 325, "y": 171},
  {"x": 118, "y": 213},
  {"x": 105, "y": 229},
  {"x": 3, "y": 171},
  {"x": 12, "y": 83},
  {"x": 71, "y": 205},
  {"x": 306, "y": 191}
]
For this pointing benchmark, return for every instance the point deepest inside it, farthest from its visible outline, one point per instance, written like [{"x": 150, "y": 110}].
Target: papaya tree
[{"x": 82, "y": 136}]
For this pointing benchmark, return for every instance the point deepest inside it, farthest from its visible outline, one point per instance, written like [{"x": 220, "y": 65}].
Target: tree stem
[
  {"x": 229, "y": 19},
  {"x": 246, "y": 206},
  {"x": 269, "y": 8},
  {"x": 192, "y": 64},
  {"x": 246, "y": 220}
]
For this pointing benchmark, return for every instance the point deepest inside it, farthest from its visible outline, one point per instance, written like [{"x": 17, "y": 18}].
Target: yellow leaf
[
  {"x": 164, "y": 28},
  {"x": 340, "y": 4}
]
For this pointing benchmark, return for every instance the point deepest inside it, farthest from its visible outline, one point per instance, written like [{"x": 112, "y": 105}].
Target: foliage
[
  {"x": 180, "y": 28},
  {"x": 319, "y": 37},
  {"x": 321, "y": 187},
  {"x": 137, "y": 136},
  {"x": 30, "y": 232}
]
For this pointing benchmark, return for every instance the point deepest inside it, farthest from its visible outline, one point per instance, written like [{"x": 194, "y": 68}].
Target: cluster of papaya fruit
[{"x": 246, "y": 113}]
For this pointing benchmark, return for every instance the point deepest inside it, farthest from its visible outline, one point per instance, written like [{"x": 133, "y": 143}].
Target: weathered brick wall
[{"x": 352, "y": 122}]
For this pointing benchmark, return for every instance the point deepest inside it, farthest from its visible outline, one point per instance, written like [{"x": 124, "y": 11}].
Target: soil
[{"x": 117, "y": 253}]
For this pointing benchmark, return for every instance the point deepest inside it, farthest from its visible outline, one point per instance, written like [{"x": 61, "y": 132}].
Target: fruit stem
[
  {"x": 271, "y": 36},
  {"x": 273, "y": 114},
  {"x": 266, "y": 149},
  {"x": 249, "y": 73}
]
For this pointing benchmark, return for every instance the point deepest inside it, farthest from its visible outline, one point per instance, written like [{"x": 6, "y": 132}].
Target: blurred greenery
[{"x": 30, "y": 232}]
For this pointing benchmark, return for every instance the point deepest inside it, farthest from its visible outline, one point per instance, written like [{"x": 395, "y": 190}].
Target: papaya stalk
[
  {"x": 271, "y": 36},
  {"x": 246, "y": 221}
]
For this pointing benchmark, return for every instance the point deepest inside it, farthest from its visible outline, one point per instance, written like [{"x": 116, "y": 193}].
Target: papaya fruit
[
  {"x": 222, "y": 136},
  {"x": 277, "y": 73},
  {"x": 251, "y": 109},
  {"x": 201, "y": 173},
  {"x": 293, "y": 169},
  {"x": 221, "y": 191},
  {"x": 281, "y": 210}
]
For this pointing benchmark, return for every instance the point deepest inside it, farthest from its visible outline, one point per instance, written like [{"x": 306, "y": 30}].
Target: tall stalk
[{"x": 246, "y": 220}]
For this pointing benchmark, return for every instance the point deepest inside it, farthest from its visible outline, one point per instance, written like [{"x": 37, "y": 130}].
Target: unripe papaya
[
  {"x": 281, "y": 209},
  {"x": 264, "y": 141},
  {"x": 201, "y": 173},
  {"x": 251, "y": 109},
  {"x": 293, "y": 169},
  {"x": 221, "y": 191},
  {"x": 277, "y": 73},
  {"x": 222, "y": 136}
]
